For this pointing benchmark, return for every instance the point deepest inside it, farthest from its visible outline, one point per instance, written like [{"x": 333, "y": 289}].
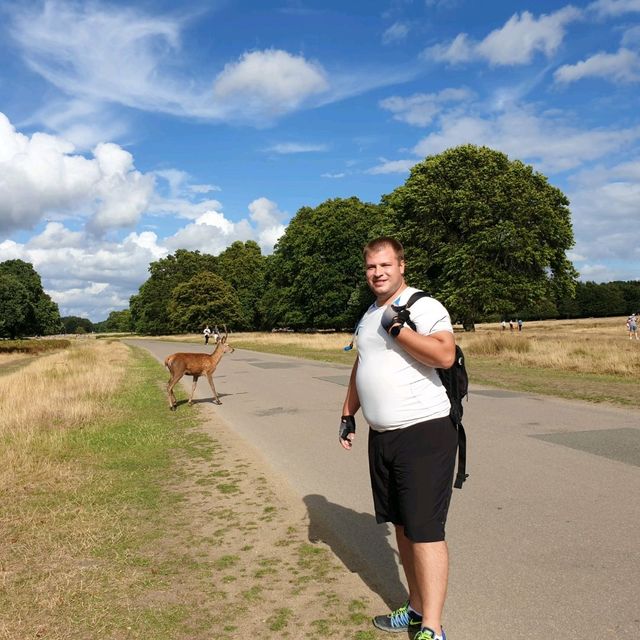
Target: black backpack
[{"x": 456, "y": 382}]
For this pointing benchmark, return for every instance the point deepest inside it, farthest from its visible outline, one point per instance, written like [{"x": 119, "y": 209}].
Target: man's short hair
[{"x": 381, "y": 243}]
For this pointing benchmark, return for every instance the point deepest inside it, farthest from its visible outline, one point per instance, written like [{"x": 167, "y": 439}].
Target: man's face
[{"x": 385, "y": 275}]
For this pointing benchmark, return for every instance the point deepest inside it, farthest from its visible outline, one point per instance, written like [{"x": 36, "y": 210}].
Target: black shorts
[{"x": 412, "y": 476}]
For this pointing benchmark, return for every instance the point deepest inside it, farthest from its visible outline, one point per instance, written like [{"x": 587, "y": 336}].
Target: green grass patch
[
  {"x": 84, "y": 554},
  {"x": 563, "y": 384},
  {"x": 280, "y": 619}
]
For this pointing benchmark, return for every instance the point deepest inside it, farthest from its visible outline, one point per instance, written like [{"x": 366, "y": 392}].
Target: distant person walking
[
  {"x": 216, "y": 334},
  {"x": 510, "y": 325},
  {"x": 207, "y": 333},
  {"x": 503, "y": 324},
  {"x": 632, "y": 325},
  {"x": 519, "y": 325}
]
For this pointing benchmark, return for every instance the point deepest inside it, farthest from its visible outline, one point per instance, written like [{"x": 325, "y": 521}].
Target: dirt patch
[{"x": 259, "y": 574}]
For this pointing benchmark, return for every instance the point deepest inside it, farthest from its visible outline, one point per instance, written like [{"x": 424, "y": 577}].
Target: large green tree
[
  {"x": 150, "y": 307},
  {"x": 484, "y": 234},
  {"x": 15, "y": 306},
  {"x": 315, "y": 275},
  {"x": 117, "y": 322},
  {"x": 76, "y": 324},
  {"x": 243, "y": 266},
  {"x": 25, "y": 307},
  {"x": 205, "y": 299}
]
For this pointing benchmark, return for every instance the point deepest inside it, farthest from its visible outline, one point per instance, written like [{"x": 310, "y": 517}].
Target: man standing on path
[{"x": 412, "y": 440}]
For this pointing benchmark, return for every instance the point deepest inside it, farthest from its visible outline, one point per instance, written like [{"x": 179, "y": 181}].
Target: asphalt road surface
[{"x": 544, "y": 537}]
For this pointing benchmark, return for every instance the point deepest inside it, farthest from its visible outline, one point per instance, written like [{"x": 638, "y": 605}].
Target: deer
[{"x": 196, "y": 365}]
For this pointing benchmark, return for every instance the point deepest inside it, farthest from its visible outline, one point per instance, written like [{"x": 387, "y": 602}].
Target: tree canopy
[
  {"x": 243, "y": 266},
  {"x": 117, "y": 322},
  {"x": 315, "y": 275},
  {"x": 76, "y": 324},
  {"x": 150, "y": 307},
  {"x": 157, "y": 307},
  {"x": 485, "y": 234},
  {"x": 25, "y": 309},
  {"x": 205, "y": 299}
]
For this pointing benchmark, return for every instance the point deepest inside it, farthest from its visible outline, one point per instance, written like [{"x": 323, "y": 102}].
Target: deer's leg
[
  {"x": 215, "y": 393},
  {"x": 193, "y": 388},
  {"x": 172, "y": 398}
]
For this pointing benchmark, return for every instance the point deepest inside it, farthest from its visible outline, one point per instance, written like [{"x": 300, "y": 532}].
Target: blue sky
[{"x": 129, "y": 130}]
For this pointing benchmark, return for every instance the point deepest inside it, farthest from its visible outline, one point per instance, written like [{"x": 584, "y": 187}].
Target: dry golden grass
[
  {"x": 598, "y": 346},
  {"x": 592, "y": 345},
  {"x": 315, "y": 341},
  {"x": 64, "y": 390},
  {"x": 10, "y": 358}
]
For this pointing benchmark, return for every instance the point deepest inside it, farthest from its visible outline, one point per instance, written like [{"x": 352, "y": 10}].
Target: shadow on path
[{"x": 362, "y": 545}]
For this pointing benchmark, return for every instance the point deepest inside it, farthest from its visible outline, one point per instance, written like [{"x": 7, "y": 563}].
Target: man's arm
[
  {"x": 351, "y": 404},
  {"x": 435, "y": 350}
]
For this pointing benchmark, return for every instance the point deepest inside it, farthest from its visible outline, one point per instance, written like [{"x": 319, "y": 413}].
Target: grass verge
[
  {"x": 588, "y": 387},
  {"x": 133, "y": 522}
]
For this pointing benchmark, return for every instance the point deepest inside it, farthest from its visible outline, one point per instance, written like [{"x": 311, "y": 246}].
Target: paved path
[{"x": 544, "y": 537}]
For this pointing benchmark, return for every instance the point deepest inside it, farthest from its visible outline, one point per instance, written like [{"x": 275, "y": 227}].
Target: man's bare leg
[
  {"x": 431, "y": 567},
  {"x": 405, "y": 548}
]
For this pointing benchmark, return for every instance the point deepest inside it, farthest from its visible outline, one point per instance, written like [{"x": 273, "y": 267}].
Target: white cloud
[
  {"x": 179, "y": 183},
  {"x": 392, "y": 166},
  {"x": 82, "y": 122},
  {"x": 285, "y": 148},
  {"x": 101, "y": 55},
  {"x": 181, "y": 208},
  {"x": 459, "y": 50},
  {"x": 623, "y": 66},
  {"x": 631, "y": 37},
  {"x": 614, "y": 7},
  {"x": 333, "y": 175},
  {"x": 604, "y": 203},
  {"x": 203, "y": 188},
  {"x": 267, "y": 84},
  {"x": 123, "y": 194},
  {"x": 41, "y": 175},
  {"x": 57, "y": 236},
  {"x": 397, "y": 32},
  {"x": 212, "y": 232},
  {"x": 269, "y": 220},
  {"x": 421, "y": 108},
  {"x": 515, "y": 43},
  {"x": 551, "y": 143}
]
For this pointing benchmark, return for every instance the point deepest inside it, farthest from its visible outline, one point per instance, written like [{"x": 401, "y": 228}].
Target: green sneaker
[
  {"x": 399, "y": 620},
  {"x": 428, "y": 634}
]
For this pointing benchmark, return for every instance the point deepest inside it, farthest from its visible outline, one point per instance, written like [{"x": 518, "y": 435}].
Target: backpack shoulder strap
[{"x": 414, "y": 297}]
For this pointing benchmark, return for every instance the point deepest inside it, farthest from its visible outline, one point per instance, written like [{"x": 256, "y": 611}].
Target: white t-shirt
[{"x": 395, "y": 390}]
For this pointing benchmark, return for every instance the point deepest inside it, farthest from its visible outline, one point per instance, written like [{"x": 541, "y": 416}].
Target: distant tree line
[
  {"x": 117, "y": 322},
  {"x": 25, "y": 309},
  {"x": 485, "y": 235},
  {"x": 593, "y": 300}
]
